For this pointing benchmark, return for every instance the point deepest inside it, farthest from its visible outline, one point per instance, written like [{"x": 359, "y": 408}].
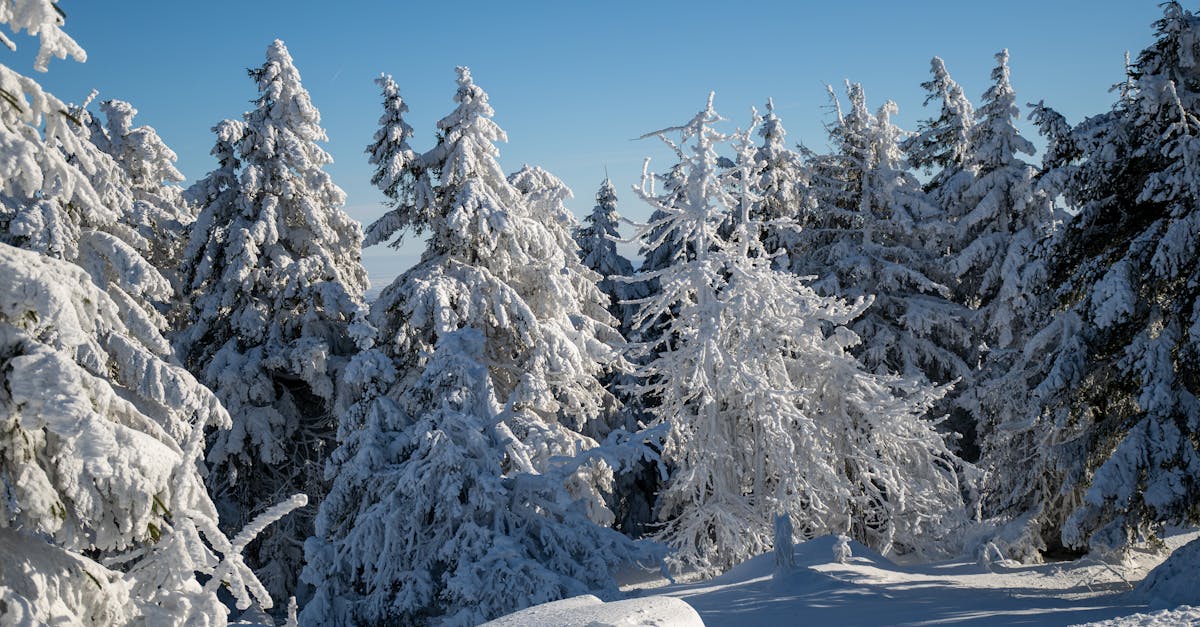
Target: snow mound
[
  {"x": 812, "y": 553},
  {"x": 1182, "y": 615},
  {"x": 1174, "y": 582},
  {"x": 589, "y": 611}
]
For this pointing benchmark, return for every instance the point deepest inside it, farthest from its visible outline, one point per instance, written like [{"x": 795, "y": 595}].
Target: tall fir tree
[
  {"x": 275, "y": 288},
  {"x": 471, "y": 410},
  {"x": 1102, "y": 448},
  {"x": 873, "y": 236}
]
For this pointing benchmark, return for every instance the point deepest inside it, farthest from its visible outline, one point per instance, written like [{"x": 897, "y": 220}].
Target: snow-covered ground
[{"x": 869, "y": 589}]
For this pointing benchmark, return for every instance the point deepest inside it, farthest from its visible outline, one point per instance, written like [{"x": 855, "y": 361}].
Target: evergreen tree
[
  {"x": 104, "y": 517},
  {"x": 597, "y": 239},
  {"x": 159, "y": 213},
  {"x": 470, "y": 411},
  {"x": 1102, "y": 448},
  {"x": 1003, "y": 220},
  {"x": 873, "y": 236},
  {"x": 275, "y": 287},
  {"x": 767, "y": 412}
]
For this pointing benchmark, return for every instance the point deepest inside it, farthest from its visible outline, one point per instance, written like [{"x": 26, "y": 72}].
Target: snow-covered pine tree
[
  {"x": 1101, "y": 447},
  {"x": 597, "y": 239},
  {"x": 1002, "y": 221},
  {"x": 490, "y": 349},
  {"x": 104, "y": 517},
  {"x": 785, "y": 182},
  {"x": 275, "y": 287},
  {"x": 942, "y": 145},
  {"x": 767, "y": 411},
  {"x": 873, "y": 235},
  {"x": 159, "y": 213}
]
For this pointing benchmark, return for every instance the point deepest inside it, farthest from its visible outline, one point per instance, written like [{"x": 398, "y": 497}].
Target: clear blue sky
[{"x": 573, "y": 82}]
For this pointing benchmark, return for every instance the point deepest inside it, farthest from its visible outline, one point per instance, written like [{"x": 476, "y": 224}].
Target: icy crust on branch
[
  {"x": 767, "y": 411},
  {"x": 99, "y": 460},
  {"x": 42, "y": 19},
  {"x": 1115, "y": 418},
  {"x": 273, "y": 278}
]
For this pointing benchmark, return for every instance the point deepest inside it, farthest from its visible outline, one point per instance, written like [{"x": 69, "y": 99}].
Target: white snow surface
[
  {"x": 653, "y": 611},
  {"x": 869, "y": 589}
]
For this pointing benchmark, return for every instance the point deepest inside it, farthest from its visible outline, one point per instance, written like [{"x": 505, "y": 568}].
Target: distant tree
[
  {"x": 275, "y": 288},
  {"x": 767, "y": 412},
  {"x": 597, "y": 240},
  {"x": 471, "y": 409},
  {"x": 1098, "y": 446}
]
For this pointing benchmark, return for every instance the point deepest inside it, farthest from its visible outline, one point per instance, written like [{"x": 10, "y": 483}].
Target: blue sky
[{"x": 574, "y": 82}]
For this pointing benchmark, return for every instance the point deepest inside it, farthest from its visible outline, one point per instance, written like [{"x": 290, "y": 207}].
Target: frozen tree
[
  {"x": 158, "y": 212},
  {"x": 275, "y": 287},
  {"x": 397, "y": 170},
  {"x": 1003, "y": 219},
  {"x": 471, "y": 411},
  {"x": 104, "y": 517},
  {"x": 767, "y": 411},
  {"x": 597, "y": 239},
  {"x": 942, "y": 145},
  {"x": 1100, "y": 447},
  {"x": 873, "y": 235},
  {"x": 785, "y": 180}
]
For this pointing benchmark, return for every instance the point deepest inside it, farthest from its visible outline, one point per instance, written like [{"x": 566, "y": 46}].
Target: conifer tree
[
  {"x": 1101, "y": 448},
  {"x": 767, "y": 412},
  {"x": 597, "y": 239},
  {"x": 873, "y": 235},
  {"x": 470, "y": 410},
  {"x": 1004, "y": 218},
  {"x": 104, "y": 519},
  {"x": 275, "y": 288},
  {"x": 159, "y": 213}
]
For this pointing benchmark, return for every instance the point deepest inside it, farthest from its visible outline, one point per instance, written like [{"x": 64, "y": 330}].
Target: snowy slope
[{"x": 869, "y": 589}]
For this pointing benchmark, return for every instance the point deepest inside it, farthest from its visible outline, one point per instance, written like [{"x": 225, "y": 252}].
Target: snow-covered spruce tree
[
  {"x": 784, "y": 180},
  {"x": 159, "y": 213},
  {"x": 873, "y": 235},
  {"x": 767, "y": 411},
  {"x": 597, "y": 239},
  {"x": 275, "y": 286},
  {"x": 1002, "y": 221},
  {"x": 470, "y": 410},
  {"x": 942, "y": 145},
  {"x": 1108, "y": 452},
  {"x": 104, "y": 518}
]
